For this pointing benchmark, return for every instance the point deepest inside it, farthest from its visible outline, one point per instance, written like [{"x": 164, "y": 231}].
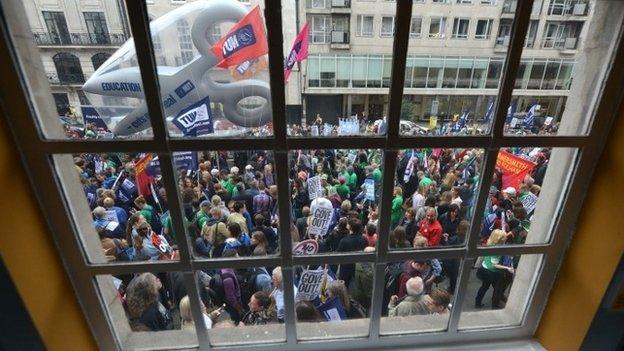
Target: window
[
  {"x": 561, "y": 35},
  {"x": 98, "y": 59},
  {"x": 488, "y": 2},
  {"x": 364, "y": 26},
  {"x": 320, "y": 29},
  {"x": 531, "y": 33},
  {"x": 484, "y": 28},
  {"x": 437, "y": 27},
  {"x": 567, "y": 7},
  {"x": 440, "y": 1},
  {"x": 96, "y": 27},
  {"x": 454, "y": 162},
  {"x": 185, "y": 42},
  {"x": 318, "y": 4},
  {"x": 415, "y": 27},
  {"x": 62, "y": 103},
  {"x": 57, "y": 27},
  {"x": 504, "y": 32},
  {"x": 460, "y": 28},
  {"x": 68, "y": 68},
  {"x": 387, "y": 26},
  {"x": 464, "y": 1}
]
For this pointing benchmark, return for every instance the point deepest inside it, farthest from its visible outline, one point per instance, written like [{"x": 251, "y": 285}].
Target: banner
[
  {"x": 433, "y": 121},
  {"x": 143, "y": 179},
  {"x": 513, "y": 168},
  {"x": 310, "y": 285},
  {"x": 195, "y": 120},
  {"x": 322, "y": 212},
  {"x": 91, "y": 116},
  {"x": 314, "y": 130},
  {"x": 245, "y": 41},
  {"x": 249, "y": 68},
  {"x": 306, "y": 247},
  {"x": 314, "y": 187},
  {"x": 369, "y": 185},
  {"x": 327, "y": 129},
  {"x": 185, "y": 160},
  {"x": 333, "y": 310},
  {"x": 298, "y": 52},
  {"x": 529, "y": 201},
  {"x": 348, "y": 126}
]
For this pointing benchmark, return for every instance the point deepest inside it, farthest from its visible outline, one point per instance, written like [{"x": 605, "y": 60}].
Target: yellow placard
[{"x": 433, "y": 121}]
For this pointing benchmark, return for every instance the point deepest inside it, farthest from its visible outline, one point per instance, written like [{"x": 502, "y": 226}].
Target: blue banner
[
  {"x": 195, "y": 120},
  {"x": 91, "y": 116},
  {"x": 182, "y": 160}
]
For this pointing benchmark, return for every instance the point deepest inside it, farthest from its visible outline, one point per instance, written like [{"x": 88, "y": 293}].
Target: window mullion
[
  {"x": 377, "y": 300},
  {"x": 139, "y": 25},
  {"x": 512, "y": 61},
  {"x": 461, "y": 287},
  {"x": 399, "y": 57},
  {"x": 191, "y": 285}
]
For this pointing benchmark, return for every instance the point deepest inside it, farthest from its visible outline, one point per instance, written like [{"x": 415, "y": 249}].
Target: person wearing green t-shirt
[
  {"x": 376, "y": 174},
  {"x": 397, "y": 206},
  {"x": 490, "y": 271},
  {"x": 342, "y": 189}
]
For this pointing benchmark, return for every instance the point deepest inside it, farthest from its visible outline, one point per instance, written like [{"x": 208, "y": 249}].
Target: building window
[
  {"x": 387, "y": 26},
  {"x": 531, "y": 33},
  {"x": 318, "y": 4},
  {"x": 98, "y": 59},
  {"x": 484, "y": 28},
  {"x": 364, "y": 26},
  {"x": 567, "y": 7},
  {"x": 440, "y": 1},
  {"x": 464, "y": 2},
  {"x": 437, "y": 27},
  {"x": 68, "y": 68},
  {"x": 96, "y": 27},
  {"x": 561, "y": 35},
  {"x": 185, "y": 42},
  {"x": 460, "y": 28},
  {"x": 415, "y": 27},
  {"x": 57, "y": 27},
  {"x": 504, "y": 32},
  {"x": 320, "y": 29},
  {"x": 488, "y": 2},
  {"x": 61, "y": 100}
]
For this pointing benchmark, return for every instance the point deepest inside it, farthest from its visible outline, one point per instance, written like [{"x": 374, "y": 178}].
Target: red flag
[
  {"x": 513, "y": 168},
  {"x": 299, "y": 51},
  {"x": 245, "y": 41},
  {"x": 143, "y": 179}
]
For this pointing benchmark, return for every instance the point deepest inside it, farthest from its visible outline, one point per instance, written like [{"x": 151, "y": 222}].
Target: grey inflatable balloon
[{"x": 183, "y": 86}]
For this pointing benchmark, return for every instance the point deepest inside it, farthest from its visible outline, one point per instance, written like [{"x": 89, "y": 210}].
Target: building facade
[{"x": 456, "y": 53}]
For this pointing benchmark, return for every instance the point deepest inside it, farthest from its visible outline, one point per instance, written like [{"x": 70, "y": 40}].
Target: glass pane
[
  {"x": 499, "y": 290},
  {"x": 213, "y": 68},
  {"x": 119, "y": 205},
  {"x": 434, "y": 197},
  {"x": 566, "y": 64},
  {"x": 230, "y": 203},
  {"x": 461, "y": 63},
  {"x": 418, "y": 295},
  {"x": 79, "y": 62},
  {"x": 145, "y": 310},
  {"x": 333, "y": 301},
  {"x": 252, "y": 302},
  {"x": 334, "y": 197},
  {"x": 341, "y": 81},
  {"x": 526, "y": 193}
]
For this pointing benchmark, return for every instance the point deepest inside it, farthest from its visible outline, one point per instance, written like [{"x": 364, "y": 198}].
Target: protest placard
[
  {"x": 314, "y": 187},
  {"x": 314, "y": 130},
  {"x": 111, "y": 216},
  {"x": 369, "y": 185},
  {"x": 322, "y": 211},
  {"x": 310, "y": 284},
  {"x": 306, "y": 247},
  {"x": 529, "y": 201}
]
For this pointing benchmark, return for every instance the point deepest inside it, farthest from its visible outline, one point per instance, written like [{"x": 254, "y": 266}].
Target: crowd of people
[{"x": 231, "y": 210}]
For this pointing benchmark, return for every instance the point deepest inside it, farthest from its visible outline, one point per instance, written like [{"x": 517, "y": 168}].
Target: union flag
[
  {"x": 143, "y": 178},
  {"x": 245, "y": 41}
]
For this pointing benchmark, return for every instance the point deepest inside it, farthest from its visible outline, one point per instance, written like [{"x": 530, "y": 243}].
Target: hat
[
  {"x": 324, "y": 176},
  {"x": 204, "y": 203},
  {"x": 510, "y": 190},
  {"x": 214, "y": 171},
  {"x": 248, "y": 167},
  {"x": 234, "y": 170},
  {"x": 342, "y": 180}
]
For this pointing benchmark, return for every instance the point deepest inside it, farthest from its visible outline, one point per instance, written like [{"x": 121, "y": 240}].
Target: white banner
[
  {"x": 111, "y": 216},
  {"x": 315, "y": 131},
  {"x": 369, "y": 185},
  {"x": 314, "y": 187},
  {"x": 310, "y": 285}
]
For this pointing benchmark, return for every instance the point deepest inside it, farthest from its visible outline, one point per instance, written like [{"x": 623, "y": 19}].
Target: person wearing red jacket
[{"x": 430, "y": 228}]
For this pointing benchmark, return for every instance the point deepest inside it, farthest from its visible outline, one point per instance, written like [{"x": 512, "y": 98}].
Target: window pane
[
  {"x": 224, "y": 78},
  {"x": 119, "y": 205},
  {"x": 418, "y": 295},
  {"x": 145, "y": 311},
  {"x": 433, "y": 201},
  {"x": 498, "y": 291},
  {"x": 333, "y": 301},
  {"x": 579, "y": 50},
  {"x": 528, "y": 187}
]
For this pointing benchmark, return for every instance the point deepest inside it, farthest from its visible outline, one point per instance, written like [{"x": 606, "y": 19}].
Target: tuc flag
[
  {"x": 513, "y": 168},
  {"x": 143, "y": 178},
  {"x": 299, "y": 51},
  {"x": 245, "y": 41}
]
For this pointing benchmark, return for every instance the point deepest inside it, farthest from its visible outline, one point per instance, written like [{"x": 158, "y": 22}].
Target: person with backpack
[
  {"x": 211, "y": 243},
  {"x": 231, "y": 292},
  {"x": 148, "y": 212},
  {"x": 110, "y": 229}
]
